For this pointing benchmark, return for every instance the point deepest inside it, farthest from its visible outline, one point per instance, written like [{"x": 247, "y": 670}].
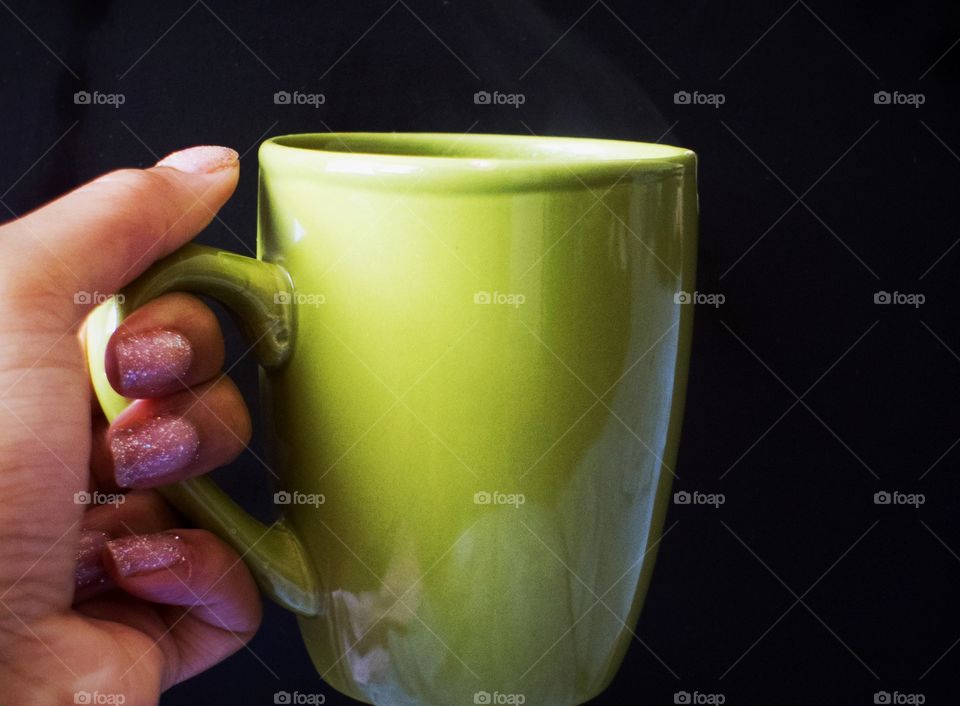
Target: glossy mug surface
[{"x": 475, "y": 351}]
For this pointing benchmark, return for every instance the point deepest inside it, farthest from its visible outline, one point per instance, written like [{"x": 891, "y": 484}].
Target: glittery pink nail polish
[
  {"x": 148, "y": 362},
  {"x": 89, "y": 568},
  {"x": 140, "y": 554},
  {"x": 143, "y": 454}
]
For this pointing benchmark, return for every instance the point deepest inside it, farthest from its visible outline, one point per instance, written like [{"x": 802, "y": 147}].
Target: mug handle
[{"x": 260, "y": 296}]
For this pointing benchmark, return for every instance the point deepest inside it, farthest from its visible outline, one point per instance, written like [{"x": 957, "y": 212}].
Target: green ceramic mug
[{"x": 474, "y": 352}]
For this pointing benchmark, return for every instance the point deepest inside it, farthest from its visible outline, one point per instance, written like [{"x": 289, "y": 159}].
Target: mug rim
[{"x": 469, "y": 160}]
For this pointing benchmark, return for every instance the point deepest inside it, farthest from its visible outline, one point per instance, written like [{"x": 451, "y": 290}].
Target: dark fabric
[{"x": 797, "y": 83}]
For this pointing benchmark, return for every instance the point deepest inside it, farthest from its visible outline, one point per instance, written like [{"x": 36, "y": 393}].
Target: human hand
[{"x": 111, "y": 598}]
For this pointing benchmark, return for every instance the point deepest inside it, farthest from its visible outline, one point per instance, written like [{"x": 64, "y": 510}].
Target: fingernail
[
  {"x": 140, "y": 554},
  {"x": 149, "y": 362},
  {"x": 205, "y": 159},
  {"x": 89, "y": 569},
  {"x": 150, "y": 450}
]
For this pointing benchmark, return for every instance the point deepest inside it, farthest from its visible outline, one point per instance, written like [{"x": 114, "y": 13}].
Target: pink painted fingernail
[
  {"x": 89, "y": 569},
  {"x": 140, "y": 554},
  {"x": 148, "y": 451},
  {"x": 148, "y": 362},
  {"x": 204, "y": 159}
]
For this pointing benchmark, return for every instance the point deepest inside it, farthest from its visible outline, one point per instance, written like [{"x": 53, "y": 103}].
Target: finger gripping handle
[{"x": 260, "y": 297}]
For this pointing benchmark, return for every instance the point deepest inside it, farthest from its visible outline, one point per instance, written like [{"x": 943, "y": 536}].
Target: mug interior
[
  {"x": 454, "y": 162},
  {"x": 477, "y": 147}
]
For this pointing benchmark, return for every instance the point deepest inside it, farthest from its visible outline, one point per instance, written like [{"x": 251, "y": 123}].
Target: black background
[{"x": 799, "y": 589}]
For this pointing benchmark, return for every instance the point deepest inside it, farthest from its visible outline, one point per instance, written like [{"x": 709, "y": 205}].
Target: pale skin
[{"x": 137, "y": 634}]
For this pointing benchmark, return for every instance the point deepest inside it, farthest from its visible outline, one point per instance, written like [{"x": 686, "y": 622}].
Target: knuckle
[
  {"x": 220, "y": 557},
  {"x": 39, "y": 285},
  {"x": 141, "y": 200},
  {"x": 192, "y": 307},
  {"x": 236, "y": 414},
  {"x": 134, "y": 185}
]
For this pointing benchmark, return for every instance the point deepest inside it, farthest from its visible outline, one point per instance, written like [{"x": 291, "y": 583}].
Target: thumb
[{"x": 102, "y": 235}]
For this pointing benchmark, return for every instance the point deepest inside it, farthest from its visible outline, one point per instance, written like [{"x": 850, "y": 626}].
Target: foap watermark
[
  {"x": 698, "y": 697},
  {"x": 686, "y": 497},
  {"x": 283, "y": 497},
  {"x": 298, "y": 98},
  {"x": 914, "y": 100},
  {"x": 114, "y": 100},
  {"x": 514, "y": 299},
  {"x": 298, "y": 697},
  {"x": 86, "y": 497},
  {"x": 897, "y": 697},
  {"x": 84, "y": 297},
  {"x": 98, "y": 697},
  {"x": 484, "y": 497},
  {"x": 895, "y": 497},
  {"x": 698, "y": 98},
  {"x": 914, "y": 299},
  {"x": 498, "y": 98},
  {"x": 714, "y": 299},
  {"x": 304, "y": 298},
  {"x": 487, "y": 697}
]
